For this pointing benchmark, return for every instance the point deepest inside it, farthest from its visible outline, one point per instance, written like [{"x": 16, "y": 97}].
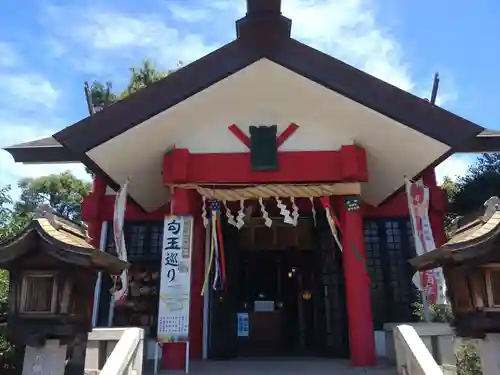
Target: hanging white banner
[
  {"x": 432, "y": 282},
  {"x": 121, "y": 251},
  {"x": 175, "y": 282}
]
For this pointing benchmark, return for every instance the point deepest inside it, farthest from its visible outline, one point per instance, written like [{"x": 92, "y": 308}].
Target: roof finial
[
  {"x": 256, "y": 7},
  {"x": 263, "y": 21},
  {"x": 491, "y": 206}
]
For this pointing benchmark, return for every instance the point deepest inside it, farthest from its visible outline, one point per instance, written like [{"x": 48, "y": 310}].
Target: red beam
[
  {"x": 347, "y": 164},
  {"x": 238, "y": 133},
  {"x": 103, "y": 210},
  {"x": 287, "y": 133}
]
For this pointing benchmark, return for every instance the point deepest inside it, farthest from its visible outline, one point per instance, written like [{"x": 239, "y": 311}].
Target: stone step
[{"x": 280, "y": 367}]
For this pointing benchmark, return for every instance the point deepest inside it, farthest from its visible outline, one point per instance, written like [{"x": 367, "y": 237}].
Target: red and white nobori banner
[
  {"x": 431, "y": 281},
  {"x": 121, "y": 251}
]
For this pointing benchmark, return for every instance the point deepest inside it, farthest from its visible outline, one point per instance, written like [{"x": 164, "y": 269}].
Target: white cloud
[
  {"x": 454, "y": 167},
  {"x": 25, "y": 90},
  {"x": 106, "y": 38},
  {"x": 27, "y": 103},
  {"x": 101, "y": 40},
  {"x": 22, "y": 130},
  {"x": 189, "y": 14},
  {"x": 350, "y": 31}
]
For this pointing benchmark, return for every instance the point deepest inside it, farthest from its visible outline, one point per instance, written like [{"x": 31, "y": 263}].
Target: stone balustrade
[{"x": 115, "y": 351}]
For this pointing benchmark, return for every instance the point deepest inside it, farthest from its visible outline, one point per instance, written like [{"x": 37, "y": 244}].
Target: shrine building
[{"x": 277, "y": 132}]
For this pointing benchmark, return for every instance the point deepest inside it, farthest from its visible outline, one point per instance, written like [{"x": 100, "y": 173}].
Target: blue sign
[{"x": 242, "y": 324}]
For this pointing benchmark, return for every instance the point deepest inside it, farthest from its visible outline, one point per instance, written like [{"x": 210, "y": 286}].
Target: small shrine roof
[
  {"x": 472, "y": 237},
  {"x": 63, "y": 239},
  {"x": 44, "y": 150}
]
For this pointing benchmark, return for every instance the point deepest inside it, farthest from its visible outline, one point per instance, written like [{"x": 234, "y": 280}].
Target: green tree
[
  {"x": 101, "y": 95},
  {"x": 481, "y": 182},
  {"x": 63, "y": 192},
  {"x": 5, "y": 211},
  {"x": 144, "y": 75},
  {"x": 10, "y": 356},
  {"x": 451, "y": 188},
  {"x": 10, "y": 222}
]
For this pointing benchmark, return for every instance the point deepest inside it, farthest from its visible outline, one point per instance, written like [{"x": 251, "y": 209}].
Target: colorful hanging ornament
[
  {"x": 216, "y": 250},
  {"x": 265, "y": 215},
  {"x": 241, "y": 215},
  {"x": 204, "y": 214},
  {"x": 295, "y": 212},
  {"x": 230, "y": 216},
  {"x": 213, "y": 234},
  {"x": 221, "y": 252},
  {"x": 220, "y": 272},
  {"x": 216, "y": 284}
]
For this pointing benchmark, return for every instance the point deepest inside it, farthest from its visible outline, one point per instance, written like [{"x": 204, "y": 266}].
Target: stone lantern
[
  {"x": 471, "y": 267},
  {"x": 52, "y": 273}
]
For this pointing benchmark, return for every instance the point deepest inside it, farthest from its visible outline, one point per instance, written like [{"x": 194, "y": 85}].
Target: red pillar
[
  {"x": 91, "y": 215},
  {"x": 188, "y": 202},
  {"x": 359, "y": 309}
]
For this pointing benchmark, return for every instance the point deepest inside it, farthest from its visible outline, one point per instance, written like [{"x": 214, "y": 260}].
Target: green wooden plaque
[{"x": 263, "y": 148}]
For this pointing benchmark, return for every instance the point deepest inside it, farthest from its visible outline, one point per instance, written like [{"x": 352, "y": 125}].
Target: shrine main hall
[{"x": 287, "y": 140}]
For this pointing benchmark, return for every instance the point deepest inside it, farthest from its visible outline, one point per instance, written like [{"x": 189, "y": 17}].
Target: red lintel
[{"x": 346, "y": 164}]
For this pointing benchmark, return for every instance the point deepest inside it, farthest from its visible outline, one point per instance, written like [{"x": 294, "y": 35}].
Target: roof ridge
[{"x": 45, "y": 211}]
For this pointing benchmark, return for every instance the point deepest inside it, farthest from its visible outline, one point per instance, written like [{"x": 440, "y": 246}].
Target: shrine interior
[{"x": 284, "y": 293}]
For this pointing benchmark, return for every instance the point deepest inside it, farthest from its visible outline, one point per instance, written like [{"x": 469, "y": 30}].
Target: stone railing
[
  {"x": 412, "y": 356},
  {"x": 438, "y": 338},
  {"x": 115, "y": 351}
]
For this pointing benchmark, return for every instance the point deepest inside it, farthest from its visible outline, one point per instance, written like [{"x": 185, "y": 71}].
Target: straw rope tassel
[
  {"x": 230, "y": 216},
  {"x": 295, "y": 212},
  {"x": 284, "y": 211},
  {"x": 210, "y": 261},
  {"x": 241, "y": 215},
  {"x": 265, "y": 215},
  {"x": 333, "y": 228},
  {"x": 204, "y": 214},
  {"x": 313, "y": 210}
]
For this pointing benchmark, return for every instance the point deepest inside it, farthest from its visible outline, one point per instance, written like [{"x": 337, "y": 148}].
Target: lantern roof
[
  {"x": 61, "y": 239},
  {"x": 472, "y": 239}
]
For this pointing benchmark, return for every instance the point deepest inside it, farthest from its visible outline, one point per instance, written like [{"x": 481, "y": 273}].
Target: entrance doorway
[
  {"x": 285, "y": 293},
  {"x": 275, "y": 290}
]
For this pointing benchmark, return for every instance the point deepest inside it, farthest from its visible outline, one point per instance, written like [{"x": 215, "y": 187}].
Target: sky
[{"x": 49, "y": 48}]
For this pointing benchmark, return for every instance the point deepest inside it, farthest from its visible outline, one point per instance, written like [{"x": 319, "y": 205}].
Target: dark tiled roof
[
  {"x": 473, "y": 236},
  {"x": 60, "y": 235}
]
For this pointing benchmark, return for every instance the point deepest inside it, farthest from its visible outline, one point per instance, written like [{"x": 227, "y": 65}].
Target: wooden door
[
  {"x": 330, "y": 303},
  {"x": 223, "y": 309}
]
